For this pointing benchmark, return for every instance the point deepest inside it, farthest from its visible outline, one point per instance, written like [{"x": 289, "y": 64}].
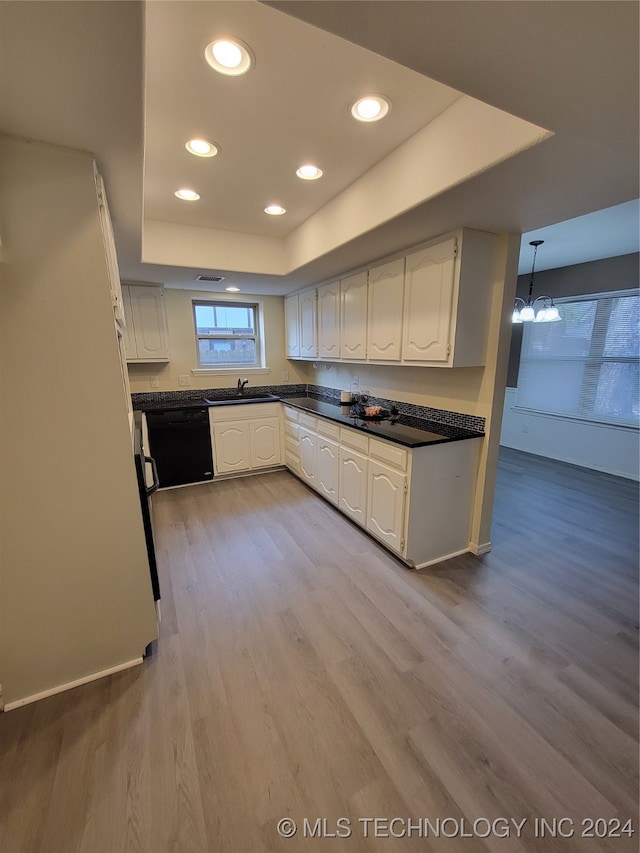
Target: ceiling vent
[{"x": 214, "y": 278}]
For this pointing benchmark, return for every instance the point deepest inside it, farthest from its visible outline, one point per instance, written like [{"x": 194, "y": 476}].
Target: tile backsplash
[{"x": 423, "y": 413}]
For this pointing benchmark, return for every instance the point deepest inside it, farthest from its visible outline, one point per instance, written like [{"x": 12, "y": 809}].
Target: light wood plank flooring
[{"x": 304, "y": 672}]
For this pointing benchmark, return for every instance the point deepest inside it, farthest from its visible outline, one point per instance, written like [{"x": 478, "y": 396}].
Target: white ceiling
[
  {"x": 74, "y": 74},
  {"x": 602, "y": 234},
  {"x": 291, "y": 108}
]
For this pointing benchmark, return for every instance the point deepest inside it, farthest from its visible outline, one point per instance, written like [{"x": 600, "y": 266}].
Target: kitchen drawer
[
  {"x": 354, "y": 439},
  {"x": 291, "y": 445},
  {"x": 290, "y": 414},
  {"x": 292, "y": 462},
  {"x": 389, "y": 453},
  {"x": 308, "y": 421},
  {"x": 240, "y": 411},
  {"x": 291, "y": 430},
  {"x": 328, "y": 429}
]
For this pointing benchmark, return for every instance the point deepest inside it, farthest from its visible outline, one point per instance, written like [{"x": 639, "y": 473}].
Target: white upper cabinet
[
  {"x": 429, "y": 308},
  {"x": 428, "y": 295},
  {"x": 353, "y": 316},
  {"x": 448, "y": 289},
  {"x": 117, "y": 301},
  {"x": 329, "y": 320},
  {"x": 386, "y": 290},
  {"x": 472, "y": 294},
  {"x": 292, "y": 325},
  {"x": 301, "y": 325},
  {"x": 146, "y": 326},
  {"x": 308, "y": 325}
]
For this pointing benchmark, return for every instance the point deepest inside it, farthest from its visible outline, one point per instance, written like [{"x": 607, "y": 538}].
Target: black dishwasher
[{"x": 180, "y": 442}]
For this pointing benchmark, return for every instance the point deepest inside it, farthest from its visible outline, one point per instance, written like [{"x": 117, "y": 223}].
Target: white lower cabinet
[
  {"x": 353, "y": 484},
  {"x": 328, "y": 463},
  {"x": 386, "y": 502},
  {"x": 231, "y": 442},
  {"x": 417, "y": 502},
  {"x": 308, "y": 463},
  {"x": 265, "y": 443},
  {"x": 245, "y": 437},
  {"x": 291, "y": 439}
]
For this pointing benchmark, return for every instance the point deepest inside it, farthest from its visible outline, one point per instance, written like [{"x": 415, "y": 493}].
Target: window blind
[{"x": 586, "y": 365}]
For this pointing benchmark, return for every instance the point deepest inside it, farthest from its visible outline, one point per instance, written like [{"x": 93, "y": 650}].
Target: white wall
[
  {"x": 603, "y": 448},
  {"x": 183, "y": 353},
  {"x": 76, "y": 591}
]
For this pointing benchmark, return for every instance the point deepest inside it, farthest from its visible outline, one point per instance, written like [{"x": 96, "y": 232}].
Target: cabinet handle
[{"x": 156, "y": 481}]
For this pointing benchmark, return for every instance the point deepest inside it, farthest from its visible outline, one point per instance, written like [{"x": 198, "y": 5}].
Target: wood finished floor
[{"x": 303, "y": 672}]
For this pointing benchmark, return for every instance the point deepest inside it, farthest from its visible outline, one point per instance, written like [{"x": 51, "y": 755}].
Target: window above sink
[{"x": 228, "y": 334}]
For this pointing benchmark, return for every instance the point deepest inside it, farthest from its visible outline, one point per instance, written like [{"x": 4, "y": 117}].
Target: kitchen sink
[{"x": 246, "y": 397}]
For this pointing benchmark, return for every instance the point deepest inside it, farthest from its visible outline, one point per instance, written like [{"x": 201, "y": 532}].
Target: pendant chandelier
[{"x": 525, "y": 312}]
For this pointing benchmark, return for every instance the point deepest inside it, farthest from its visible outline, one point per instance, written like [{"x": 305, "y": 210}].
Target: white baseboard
[
  {"x": 440, "y": 559},
  {"x": 71, "y": 684},
  {"x": 480, "y": 549},
  {"x": 600, "y": 447}
]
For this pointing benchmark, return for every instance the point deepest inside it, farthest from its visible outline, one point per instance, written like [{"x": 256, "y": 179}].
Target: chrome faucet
[{"x": 241, "y": 384}]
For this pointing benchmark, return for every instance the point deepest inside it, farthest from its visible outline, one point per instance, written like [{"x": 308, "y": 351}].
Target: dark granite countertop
[
  {"x": 405, "y": 430},
  {"x": 202, "y": 403}
]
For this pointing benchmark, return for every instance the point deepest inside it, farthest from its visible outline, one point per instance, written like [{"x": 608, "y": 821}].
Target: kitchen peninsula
[{"x": 408, "y": 481}]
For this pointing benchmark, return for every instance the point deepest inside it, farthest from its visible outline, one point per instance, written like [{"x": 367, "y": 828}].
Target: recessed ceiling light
[
  {"x": 229, "y": 56},
  {"x": 201, "y": 147},
  {"x": 232, "y": 289},
  {"x": 274, "y": 210},
  {"x": 370, "y": 108},
  {"x": 187, "y": 195},
  {"x": 309, "y": 172}
]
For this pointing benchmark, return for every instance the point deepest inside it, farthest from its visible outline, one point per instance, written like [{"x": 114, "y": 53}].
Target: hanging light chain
[{"x": 547, "y": 314}]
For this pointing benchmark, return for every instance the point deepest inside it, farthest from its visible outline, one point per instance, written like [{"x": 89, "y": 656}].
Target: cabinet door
[
  {"x": 328, "y": 474},
  {"x": 386, "y": 499},
  {"x": 115, "y": 286},
  {"x": 292, "y": 325},
  {"x": 127, "y": 333},
  {"x": 231, "y": 443},
  {"x": 353, "y": 485},
  {"x": 428, "y": 303},
  {"x": 386, "y": 293},
  {"x": 308, "y": 331},
  {"x": 353, "y": 316},
  {"x": 329, "y": 320},
  {"x": 308, "y": 463},
  {"x": 265, "y": 443},
  {"x": 147, "y": 316}
]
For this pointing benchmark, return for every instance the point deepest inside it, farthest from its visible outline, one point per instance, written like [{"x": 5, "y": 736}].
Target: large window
[
  {"x": 586, "y": 365},
  {"x": 227, "y": 334}
]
